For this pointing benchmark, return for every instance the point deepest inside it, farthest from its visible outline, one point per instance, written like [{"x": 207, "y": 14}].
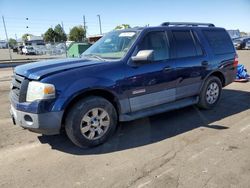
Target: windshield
[{"x": 114, "y": 45}]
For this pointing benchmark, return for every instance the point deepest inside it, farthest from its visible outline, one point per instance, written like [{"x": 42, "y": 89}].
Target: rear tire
[
  {"x": 210, "y": 93},
  {"x": 91, "y": 121}
]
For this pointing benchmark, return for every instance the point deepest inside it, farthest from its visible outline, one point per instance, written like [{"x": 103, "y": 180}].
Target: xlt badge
[{"x": 139, "y": 91}]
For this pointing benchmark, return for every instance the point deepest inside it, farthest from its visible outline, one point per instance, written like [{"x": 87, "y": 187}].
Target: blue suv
[{"x": 127, "y": 74}]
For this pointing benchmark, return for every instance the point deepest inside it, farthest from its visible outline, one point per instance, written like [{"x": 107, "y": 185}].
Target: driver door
[{"x": 152, "y": 83}]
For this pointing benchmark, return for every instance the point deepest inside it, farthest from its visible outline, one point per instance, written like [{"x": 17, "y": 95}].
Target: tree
[
  {"x": 12, "y": 42},
  {"x": 77, "y": 34},
  {"x": 25, "y": 36},
  {"x": 59, "y": 34},
  {"x": 123, "y": 26},
  {"x": 55, "y": 35},
  {"x": 49, "y": 35}
]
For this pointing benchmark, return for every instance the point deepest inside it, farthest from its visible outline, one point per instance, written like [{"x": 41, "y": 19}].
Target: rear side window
[
  {"x": 185, "y": 43},
  {"x": 219, "y": 41}
]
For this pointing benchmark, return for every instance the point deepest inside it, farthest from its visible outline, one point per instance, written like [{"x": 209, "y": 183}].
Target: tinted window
[
  {"x": 219, "y": 41},
  {"x": 156, "y": 41},
  {"x": 185, "y": 45},
  {"x": 199, "y": 50}
]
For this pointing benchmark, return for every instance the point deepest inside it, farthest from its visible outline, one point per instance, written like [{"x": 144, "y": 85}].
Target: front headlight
[{"x": 38, "y": 90}]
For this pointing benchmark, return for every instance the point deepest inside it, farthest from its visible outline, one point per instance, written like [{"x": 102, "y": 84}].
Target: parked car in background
[
  {"x": 19, "y": 49},
  {"x": 15, "y": 49},
  {"x": 28, "y": 50},
  {"x": 247, "y": 46},
  {"x": 126, "y": 75},
  {"x": 239, "y": 44},
  {"x": 246, "y": 40}
]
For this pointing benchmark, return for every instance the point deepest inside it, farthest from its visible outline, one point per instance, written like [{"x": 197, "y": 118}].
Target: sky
[{"x": 42, "y": 14}]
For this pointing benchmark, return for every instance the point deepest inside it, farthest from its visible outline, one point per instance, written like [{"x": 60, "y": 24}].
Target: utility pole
[
  {"x": 64, "y": 42},
  {"x": 84, "y": 27},
  {"x": 100, "y": 23},
  {"x": 6, "y": 34},
  {"x": 62, "y": 25},
  {"x": 84, "y": 22}
]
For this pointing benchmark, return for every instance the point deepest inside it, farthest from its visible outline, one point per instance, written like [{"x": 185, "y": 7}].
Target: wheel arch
[
  {"x": 111, "y": 97},
  {"x": 217, "y": 74},
  {"x": 221, "y": 76}
]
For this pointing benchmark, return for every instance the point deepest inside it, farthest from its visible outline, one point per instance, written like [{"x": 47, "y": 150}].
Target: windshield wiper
[{"x": 94, "y": 56}]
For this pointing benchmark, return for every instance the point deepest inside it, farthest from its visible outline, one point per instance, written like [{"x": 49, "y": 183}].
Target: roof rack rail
[{"x": 186, "y": 24}]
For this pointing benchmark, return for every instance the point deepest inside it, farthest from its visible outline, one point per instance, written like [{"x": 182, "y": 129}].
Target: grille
[{"x": 19, "y": 88}]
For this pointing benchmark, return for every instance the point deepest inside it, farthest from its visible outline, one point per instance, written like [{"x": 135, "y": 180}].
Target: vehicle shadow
[{"x": 159, "y": 127}]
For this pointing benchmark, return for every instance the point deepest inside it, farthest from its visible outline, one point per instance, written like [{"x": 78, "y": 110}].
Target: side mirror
[{"x": 143, "y": 55}]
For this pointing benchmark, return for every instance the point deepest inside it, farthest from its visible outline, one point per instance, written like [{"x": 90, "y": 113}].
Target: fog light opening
[{"x": 28, "y": 119}]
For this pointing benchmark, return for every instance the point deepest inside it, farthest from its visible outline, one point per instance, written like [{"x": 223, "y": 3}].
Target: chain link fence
[{"x": 33, "y": 53}]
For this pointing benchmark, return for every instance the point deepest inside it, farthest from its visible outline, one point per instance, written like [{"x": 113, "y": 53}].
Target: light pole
[{"x": 100, "y": 23}]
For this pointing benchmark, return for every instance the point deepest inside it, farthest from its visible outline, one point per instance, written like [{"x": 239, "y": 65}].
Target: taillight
[{"x": 236, "y": 61}]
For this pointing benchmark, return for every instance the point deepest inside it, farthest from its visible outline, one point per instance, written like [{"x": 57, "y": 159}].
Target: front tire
[
  {"x": 91, "y": 121},
  {"x": 211, "y": 92}
]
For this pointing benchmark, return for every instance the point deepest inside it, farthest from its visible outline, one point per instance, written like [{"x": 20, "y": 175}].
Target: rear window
[{"x": 219, "y": 41}]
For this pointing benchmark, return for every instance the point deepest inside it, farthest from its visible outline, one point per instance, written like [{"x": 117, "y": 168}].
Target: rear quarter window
[{"x": 219, "y": 41}]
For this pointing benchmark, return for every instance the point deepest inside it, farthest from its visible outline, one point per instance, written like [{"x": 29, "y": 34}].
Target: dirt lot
[{"x": 183, "y": 148}]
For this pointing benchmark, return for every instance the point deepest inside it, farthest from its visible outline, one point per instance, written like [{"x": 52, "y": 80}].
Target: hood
[{"x": 38, "y": 70}]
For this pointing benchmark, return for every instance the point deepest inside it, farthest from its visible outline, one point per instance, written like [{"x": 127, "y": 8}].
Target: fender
[{"x": 87, "y": 85}]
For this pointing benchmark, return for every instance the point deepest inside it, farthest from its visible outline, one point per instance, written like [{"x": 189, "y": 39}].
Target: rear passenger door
[{"x": 191, "y": 62}]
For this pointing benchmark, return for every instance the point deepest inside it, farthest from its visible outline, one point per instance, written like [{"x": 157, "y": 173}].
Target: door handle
[
  {"x": 167, "y": 69},
  {"x": 204, "y": 63}
]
